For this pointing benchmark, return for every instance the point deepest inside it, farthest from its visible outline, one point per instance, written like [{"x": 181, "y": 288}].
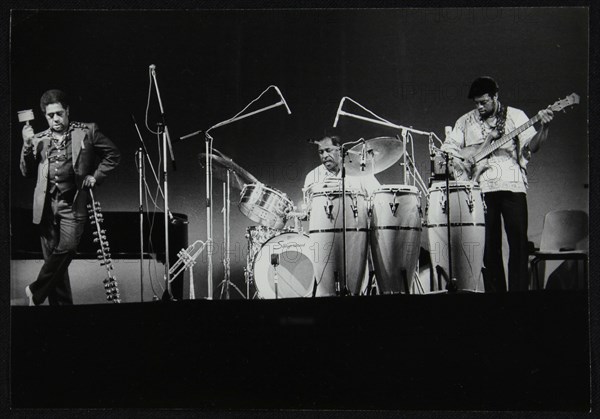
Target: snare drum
[
  {"x": 265, "y": 205},
  {"x": 395, "y": 236},
  {"x": 326, "y": 236},
  {"x": 294, "y": 271},
  {"x": 467, "y": 232}
]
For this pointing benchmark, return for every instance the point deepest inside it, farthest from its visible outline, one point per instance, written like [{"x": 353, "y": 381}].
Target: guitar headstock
[{"x": 559, "y": 105}]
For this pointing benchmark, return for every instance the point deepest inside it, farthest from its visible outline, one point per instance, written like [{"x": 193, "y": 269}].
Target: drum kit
[{"x": 358, "y": 244}]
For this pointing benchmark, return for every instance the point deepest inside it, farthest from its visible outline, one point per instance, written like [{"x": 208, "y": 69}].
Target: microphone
[
  {"x": 337, "y": 114},
  {"x": 363, "y": 155},
  {"x": 283, "y": 100}
]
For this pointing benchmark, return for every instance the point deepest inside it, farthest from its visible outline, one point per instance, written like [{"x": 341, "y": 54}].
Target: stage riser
[{"x": 462, "y": 352}]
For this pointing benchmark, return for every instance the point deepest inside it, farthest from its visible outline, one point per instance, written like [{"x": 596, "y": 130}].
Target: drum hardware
[
  {"x": 444, "y": 201},
  {"x": 209, "y": 174},
  {"x": 226, "y": 283},
  {"x": 354, "y": 205},
  {"x": 451, "y": 284},
  {"x": 329, "y": 207},
  {"x": 394, "y": 204},
  {"x": 470, "y": 200}
]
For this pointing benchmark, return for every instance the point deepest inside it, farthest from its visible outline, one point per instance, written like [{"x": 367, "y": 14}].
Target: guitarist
[
  {"x": 503, "y": 178},
  {"x": 69, "y": 158}
]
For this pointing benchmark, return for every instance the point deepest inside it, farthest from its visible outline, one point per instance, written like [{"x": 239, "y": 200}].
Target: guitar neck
[{"x": 493, "y": 146}]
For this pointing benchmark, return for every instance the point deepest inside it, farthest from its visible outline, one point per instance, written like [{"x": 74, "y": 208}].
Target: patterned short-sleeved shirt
[{"x": 505, "y": 172}]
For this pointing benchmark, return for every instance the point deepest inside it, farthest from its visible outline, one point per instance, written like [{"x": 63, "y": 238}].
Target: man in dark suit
[{"x": 70, "y": 158}]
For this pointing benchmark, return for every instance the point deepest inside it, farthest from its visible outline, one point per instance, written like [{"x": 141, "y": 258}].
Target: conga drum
[
  {"x": 326, "y": 236},
  {"x": 395, "y": 236},
  {"x": 464, "y": 200}
]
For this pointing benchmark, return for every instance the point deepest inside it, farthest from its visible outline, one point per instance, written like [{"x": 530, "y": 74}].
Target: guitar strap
[{"x": 500, "y": 127}]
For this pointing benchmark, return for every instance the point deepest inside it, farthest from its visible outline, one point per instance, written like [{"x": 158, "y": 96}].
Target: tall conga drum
[
  {"x": 464, "y": 200},
  {"x": 395, "y": 236},
  {"x": 326, "y": 237}
]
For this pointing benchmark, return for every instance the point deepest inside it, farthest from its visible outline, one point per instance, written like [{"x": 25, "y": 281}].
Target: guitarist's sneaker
[{"x": 29, "y": 295}]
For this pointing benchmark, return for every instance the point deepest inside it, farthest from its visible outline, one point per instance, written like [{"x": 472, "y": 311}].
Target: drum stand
[{"x": 226, "y": 283}]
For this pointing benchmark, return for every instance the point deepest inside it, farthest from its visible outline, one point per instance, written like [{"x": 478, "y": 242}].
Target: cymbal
[
  {"x": 381, "y": 153},
  {"x": 223, "y": 164}
]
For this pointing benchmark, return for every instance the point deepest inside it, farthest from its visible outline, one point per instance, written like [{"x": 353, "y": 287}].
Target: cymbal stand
[{"x": 209, "y": 175}]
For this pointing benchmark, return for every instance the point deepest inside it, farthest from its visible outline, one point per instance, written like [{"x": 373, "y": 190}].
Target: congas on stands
[
  {"x": 467, "y": 232},
  {"x": 326, "y": 236},
  {"x": 395, "y": 236}
]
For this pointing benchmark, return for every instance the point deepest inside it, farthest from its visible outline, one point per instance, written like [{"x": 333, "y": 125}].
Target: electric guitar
[
  {"x": 472, "y": 155},
  {"x": 103, "y": 254}
]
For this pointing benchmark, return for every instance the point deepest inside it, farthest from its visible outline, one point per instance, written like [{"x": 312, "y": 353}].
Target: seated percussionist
[
  {"x": 329, "y": 173},
  {"x": 327, "y": 244}
]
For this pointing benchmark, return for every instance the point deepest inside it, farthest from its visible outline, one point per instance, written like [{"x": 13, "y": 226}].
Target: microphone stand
[
  {"x": 451, "y": 283},
  {"x": 163, "y": 129},
  {"x": 344, "y": 291},
  {"x": 209, "y": 216},
  {"x": 167, "y": 295},
  {"x": 140, "y": 154}
]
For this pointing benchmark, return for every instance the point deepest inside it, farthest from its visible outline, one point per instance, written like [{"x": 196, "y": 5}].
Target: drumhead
[{"x": 295, "y": 272}]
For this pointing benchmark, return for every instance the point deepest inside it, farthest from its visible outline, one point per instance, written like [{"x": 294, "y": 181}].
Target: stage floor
[{"x": 522, "y": 351}]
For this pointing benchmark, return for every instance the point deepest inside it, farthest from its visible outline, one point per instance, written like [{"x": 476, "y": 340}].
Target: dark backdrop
[{"x": 412, "y": 67}]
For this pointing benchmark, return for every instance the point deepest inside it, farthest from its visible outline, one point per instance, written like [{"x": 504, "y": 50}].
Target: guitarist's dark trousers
[
  {"x": 60, "y": 232},
  {"x": 512, "y": 207}
]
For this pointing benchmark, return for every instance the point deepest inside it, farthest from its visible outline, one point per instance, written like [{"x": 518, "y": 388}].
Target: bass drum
[{"x": 294, "y": 271}]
